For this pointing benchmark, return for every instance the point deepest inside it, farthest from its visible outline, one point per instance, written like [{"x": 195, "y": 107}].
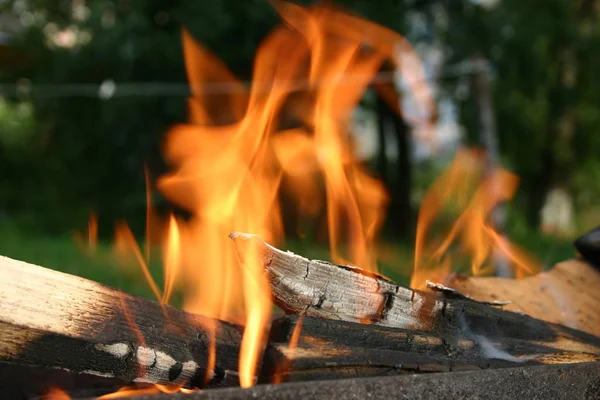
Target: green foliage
[
  {"x": 63, "y": 157},
  {"x": 546, "y": 87},
  {"x": 86, "y": 153},
  {"x": 17, "y": 125},
  {"x": 62, "y": 253}
]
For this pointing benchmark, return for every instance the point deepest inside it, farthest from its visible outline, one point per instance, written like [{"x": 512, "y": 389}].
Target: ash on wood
[
  {"x": 325, "y": 290},
  {"x": 52, "y": 319}
]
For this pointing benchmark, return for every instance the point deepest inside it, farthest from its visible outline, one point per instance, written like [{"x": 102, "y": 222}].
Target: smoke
[
  {"x": 486, "y": 346},
  {"x": 489, "y": 351}
]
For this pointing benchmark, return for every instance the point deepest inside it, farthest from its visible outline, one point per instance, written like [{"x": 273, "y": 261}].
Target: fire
[
  {"x": 56, "y": 394},
  {"x": 230, "y": 161},
  {"x": 131, "y": 391},
  {"x": 473, "y": 194},
  {"x": 127, "y": 251},
  {"x": 286, "y": 134},
  {"x": 172, "y": 259},
  {"x": 89, "y": 240},
  {"x": 292, "y": 345}
]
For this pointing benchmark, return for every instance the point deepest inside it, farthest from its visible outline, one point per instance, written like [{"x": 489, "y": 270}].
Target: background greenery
[{"x": 63, "y": 157}]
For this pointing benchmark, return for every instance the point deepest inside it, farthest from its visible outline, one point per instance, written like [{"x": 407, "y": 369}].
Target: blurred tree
[
  {"x": 544, "y": 88},
  {"x": 88, "y": 151}
]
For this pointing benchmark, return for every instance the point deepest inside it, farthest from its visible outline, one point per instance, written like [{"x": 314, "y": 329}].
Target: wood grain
[
  {"x": 52, "y": 319},
  {"x": 567, "y": 294},
  {"x": 324, "y": 290}
]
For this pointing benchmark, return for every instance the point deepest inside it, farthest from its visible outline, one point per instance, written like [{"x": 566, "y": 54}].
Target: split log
[
  {"x": 52, "y": 319},
  {"x": 327, "y": 349},
  {"x": 325, "y": 290},
  {"x": 567, "y": 294},
  {"x": 49, "y": 319}
]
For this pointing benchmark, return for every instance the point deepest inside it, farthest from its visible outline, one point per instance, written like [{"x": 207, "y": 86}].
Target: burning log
[
  {"x": 567, "y": 294},
  {"x": 52, "y": 319},
  {"x": 49, "y": 319},
  {"x": 325, "y": 290}
]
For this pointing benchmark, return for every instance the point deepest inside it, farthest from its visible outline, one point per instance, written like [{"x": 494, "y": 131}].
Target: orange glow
[
  {"x": 472, "y": 195},
  {"x": 130, "y": 391},
  {"x": 126, "y": 247},
  {"x": 90, "y": 242},
  {"x": 229, "y": 163},
  {"x": 56, "y": 394},
  {"x": 149, "y": 216},
  {"x": 294, "y": 339},
  {"x": 212, "y": 353},
  {"x": 172, "y": 259},
  {"x": 287, "y": 134}
]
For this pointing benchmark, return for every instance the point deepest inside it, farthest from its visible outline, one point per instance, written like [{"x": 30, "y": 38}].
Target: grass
[{"x": 64, "y": 254}]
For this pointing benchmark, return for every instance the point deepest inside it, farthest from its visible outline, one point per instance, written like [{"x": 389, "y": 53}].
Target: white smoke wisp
[{"x": 489, "y": 351}]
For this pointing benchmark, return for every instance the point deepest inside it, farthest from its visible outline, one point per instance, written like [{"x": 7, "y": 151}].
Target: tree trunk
[
  {"x": 399, "y": 183},
  {"x": 382, "y": 162}
]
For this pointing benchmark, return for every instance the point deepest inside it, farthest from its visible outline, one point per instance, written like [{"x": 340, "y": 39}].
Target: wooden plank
[
  {"x": 52, "y": 319},
  {"x": 567, "y": 294}
]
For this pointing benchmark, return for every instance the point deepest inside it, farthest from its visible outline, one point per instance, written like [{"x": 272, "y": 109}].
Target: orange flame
[
  {"x": 125, "y": 247},
  {"x": 473, "y": 226},
  {"x": 56, "y": 394},
  {"x": 228, "y": 164},
  {"x": 292, "y": 345},
  {"x": 172, "y": 259},
  {"x": 91, "y": 236},
  {"x": 130, "y": 391}
]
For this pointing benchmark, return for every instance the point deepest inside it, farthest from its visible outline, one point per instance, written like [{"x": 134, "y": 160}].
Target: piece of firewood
[
  {"x": 326, "y": 349},
  {"x": 49, "y": 319},
  {"x": 479, "y": 351},
  {"x": 319, "y": 362},
  {"x": 567, "y": 294},
  {"x": 321, "y": 289},
  {"x": 52, "y": 319}
]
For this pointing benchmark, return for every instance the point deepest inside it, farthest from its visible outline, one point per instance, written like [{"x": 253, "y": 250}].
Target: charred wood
[
  {"x": 52, "y": 319},
  {"x": 324, "y": 290}
]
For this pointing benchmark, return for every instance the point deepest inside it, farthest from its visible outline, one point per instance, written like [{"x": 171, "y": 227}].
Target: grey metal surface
[{"x": 575, "y": 381}]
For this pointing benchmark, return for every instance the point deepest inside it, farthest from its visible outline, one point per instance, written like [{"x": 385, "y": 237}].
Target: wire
[{"x": 111, "y": 89}]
